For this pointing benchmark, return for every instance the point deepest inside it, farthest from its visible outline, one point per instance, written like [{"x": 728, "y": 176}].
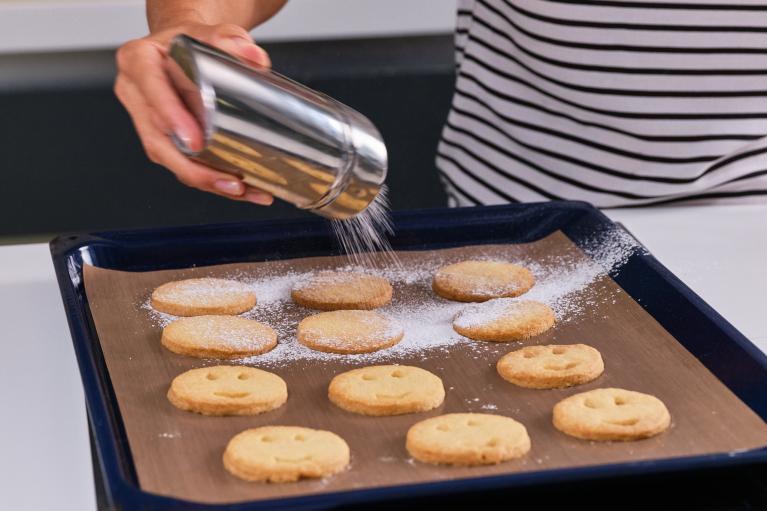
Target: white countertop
[{"x": 719, "y": 251}]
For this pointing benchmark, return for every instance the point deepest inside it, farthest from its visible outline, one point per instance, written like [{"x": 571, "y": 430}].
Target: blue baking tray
[{"x": 718, "y": 345}]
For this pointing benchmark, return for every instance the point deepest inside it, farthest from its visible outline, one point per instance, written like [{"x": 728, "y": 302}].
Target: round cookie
[
  {"x": 386, "y": 390},
  {"x": 227, "y": 390},
  {"x": 333, "y": 290},
  {"x": 280, "y": 454},
  {"x": 467, "y": 439},
  {"x": 551, "y": 366},
  {"x": 349, "y": 331},
  {"x": 504, "y": 319},
  {"x": 218, "y": 337},
  {"x": 197, "y": 297},
  {"x": 611, "y": 414},
  {"x": 478, "y": 281}
]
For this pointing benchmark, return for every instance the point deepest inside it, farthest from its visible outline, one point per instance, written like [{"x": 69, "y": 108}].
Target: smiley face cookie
[
  {"x": 467, "y": 439},
  {"x": 611, "y": 414},
  {"x": 349, "y": 331},
  {"x": 504, "y": 319},
  {"x": 197, "y": 297},
  {"x": 334, "y": 290},
  {"x": 478, "y": 281},
  {"x": 280, "y": 454},
  {"x": 386, "y": 390},
  {"x": 218, "y": 337},
  {"x": 551, "y": 366},
  {"x": 227, "y": 390}
]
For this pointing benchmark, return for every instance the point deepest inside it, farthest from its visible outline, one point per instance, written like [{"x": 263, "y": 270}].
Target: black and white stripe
[{"x": 620, "y": 103}]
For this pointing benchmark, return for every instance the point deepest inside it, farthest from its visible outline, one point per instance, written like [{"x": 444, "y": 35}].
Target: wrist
[{"x": 175, "y": 20}]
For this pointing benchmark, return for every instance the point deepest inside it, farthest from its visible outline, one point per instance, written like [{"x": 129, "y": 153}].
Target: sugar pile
[{"x": 561, "y": 283}]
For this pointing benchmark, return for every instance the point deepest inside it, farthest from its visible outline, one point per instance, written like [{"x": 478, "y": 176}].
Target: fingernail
[
  {"x": 243, "y": 42},
  {"x": 252, "y": 51},
  {"x": 261, "y": 198},
  {"x": 229, "y": 187},
  {"x": 182, "y": 141}
]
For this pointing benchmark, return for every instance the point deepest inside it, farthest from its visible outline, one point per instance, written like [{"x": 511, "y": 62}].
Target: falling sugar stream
[{"x": 364, "y": 238}]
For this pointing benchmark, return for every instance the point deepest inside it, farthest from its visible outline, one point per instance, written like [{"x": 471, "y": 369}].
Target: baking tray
[{"x": 729, "y": 356}]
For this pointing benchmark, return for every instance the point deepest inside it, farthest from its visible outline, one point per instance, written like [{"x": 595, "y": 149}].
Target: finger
[
  {"x": 161, "y": 150},
  {"x": 142, "y": 65},
  {"x": 257, "y": 196},
  {"x": 237, "y": 41}
]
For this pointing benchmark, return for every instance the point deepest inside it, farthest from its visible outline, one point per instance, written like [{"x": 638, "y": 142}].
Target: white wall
[{"x": 36, "y": 26}]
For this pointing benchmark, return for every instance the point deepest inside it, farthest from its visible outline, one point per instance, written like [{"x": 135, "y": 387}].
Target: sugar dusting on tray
[{"x": 426, "y": 319}]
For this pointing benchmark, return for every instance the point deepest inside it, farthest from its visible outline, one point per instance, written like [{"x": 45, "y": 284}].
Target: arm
[{"x": 156, "y": 110}]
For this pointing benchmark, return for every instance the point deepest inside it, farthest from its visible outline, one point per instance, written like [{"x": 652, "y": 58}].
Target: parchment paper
[{"x": 178, "y": 454}]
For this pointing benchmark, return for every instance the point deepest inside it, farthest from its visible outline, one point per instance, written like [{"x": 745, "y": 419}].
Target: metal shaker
[{"x": 276, "y": 134}]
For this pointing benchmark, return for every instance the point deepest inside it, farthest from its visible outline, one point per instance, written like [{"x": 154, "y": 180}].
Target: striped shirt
[{"x": 619, "y": 103}]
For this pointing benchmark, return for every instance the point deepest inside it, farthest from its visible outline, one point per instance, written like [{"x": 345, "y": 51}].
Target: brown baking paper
[{"x": 178, "y": 454}]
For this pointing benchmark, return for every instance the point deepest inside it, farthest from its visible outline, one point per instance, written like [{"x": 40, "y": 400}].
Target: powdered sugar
[
  {"x": 202, "y": 291},
  {"x": 490, "y": 311},
  {"x": 562, "y": 282}
]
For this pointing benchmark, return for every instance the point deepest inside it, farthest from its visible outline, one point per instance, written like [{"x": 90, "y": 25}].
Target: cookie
[
  {"x": 504, "y": 319},
  {"x": 349, "y": 331},
  {"x": 467, "y": 439},
  {"x": 479, "y": 281},
  {"x": 218, "y": 337},
  {"x": 333, "y": 290},
  {"x": 611, "y": 414},
  {"x": 280, "y": 454},
  {"x": 551, "y": 366},
  {"x": 386, "y": 390},
  {"x": 197, "y": 297},
  {"x": 227, "y": 390}
]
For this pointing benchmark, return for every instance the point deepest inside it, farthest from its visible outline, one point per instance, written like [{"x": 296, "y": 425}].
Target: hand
[{"x": 145, "y": 90}]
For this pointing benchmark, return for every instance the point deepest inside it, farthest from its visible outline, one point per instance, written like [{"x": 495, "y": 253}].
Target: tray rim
[{"x": 113, "y": 450}]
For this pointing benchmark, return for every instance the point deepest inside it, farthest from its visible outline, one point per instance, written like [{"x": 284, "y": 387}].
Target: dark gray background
[{"x": 70, "y": 160}]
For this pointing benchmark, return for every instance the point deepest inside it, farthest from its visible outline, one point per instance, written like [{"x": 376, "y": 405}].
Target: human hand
[{"x": 158, "y": 114}]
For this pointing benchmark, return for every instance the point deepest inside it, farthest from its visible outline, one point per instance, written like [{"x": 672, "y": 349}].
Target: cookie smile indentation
[
  {"x": 560, "y": 367},
  {"x": 623, "y": 422},
  {"x": 293, "y": 460},
  {"x": 233, "y": 395},
  {"x": 392, "y": 396}
]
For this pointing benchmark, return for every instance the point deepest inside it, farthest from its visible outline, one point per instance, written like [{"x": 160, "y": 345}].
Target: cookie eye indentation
[
  {"x": 233, "y": 395},
  {"x": 493, "y": 442},
  {"x": 299, "y": 438},
  {"x": 397, "y": 374},
  {"x": 623, "y": 422},
  {"x": 472, "y": 422},
  {"x": 267, "y": 439},
  {"x": 559, "y": 351},
  {"x": 243, "y": 376},
  {"x": 588, "y": 403},
  {"x": 619, "y": 401},
  {"x": 529, "y": 354},
  {"x": 211, "y": 376},
  {"x": 368, "y": 377},
  {"x": 443, "y": 427}
]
